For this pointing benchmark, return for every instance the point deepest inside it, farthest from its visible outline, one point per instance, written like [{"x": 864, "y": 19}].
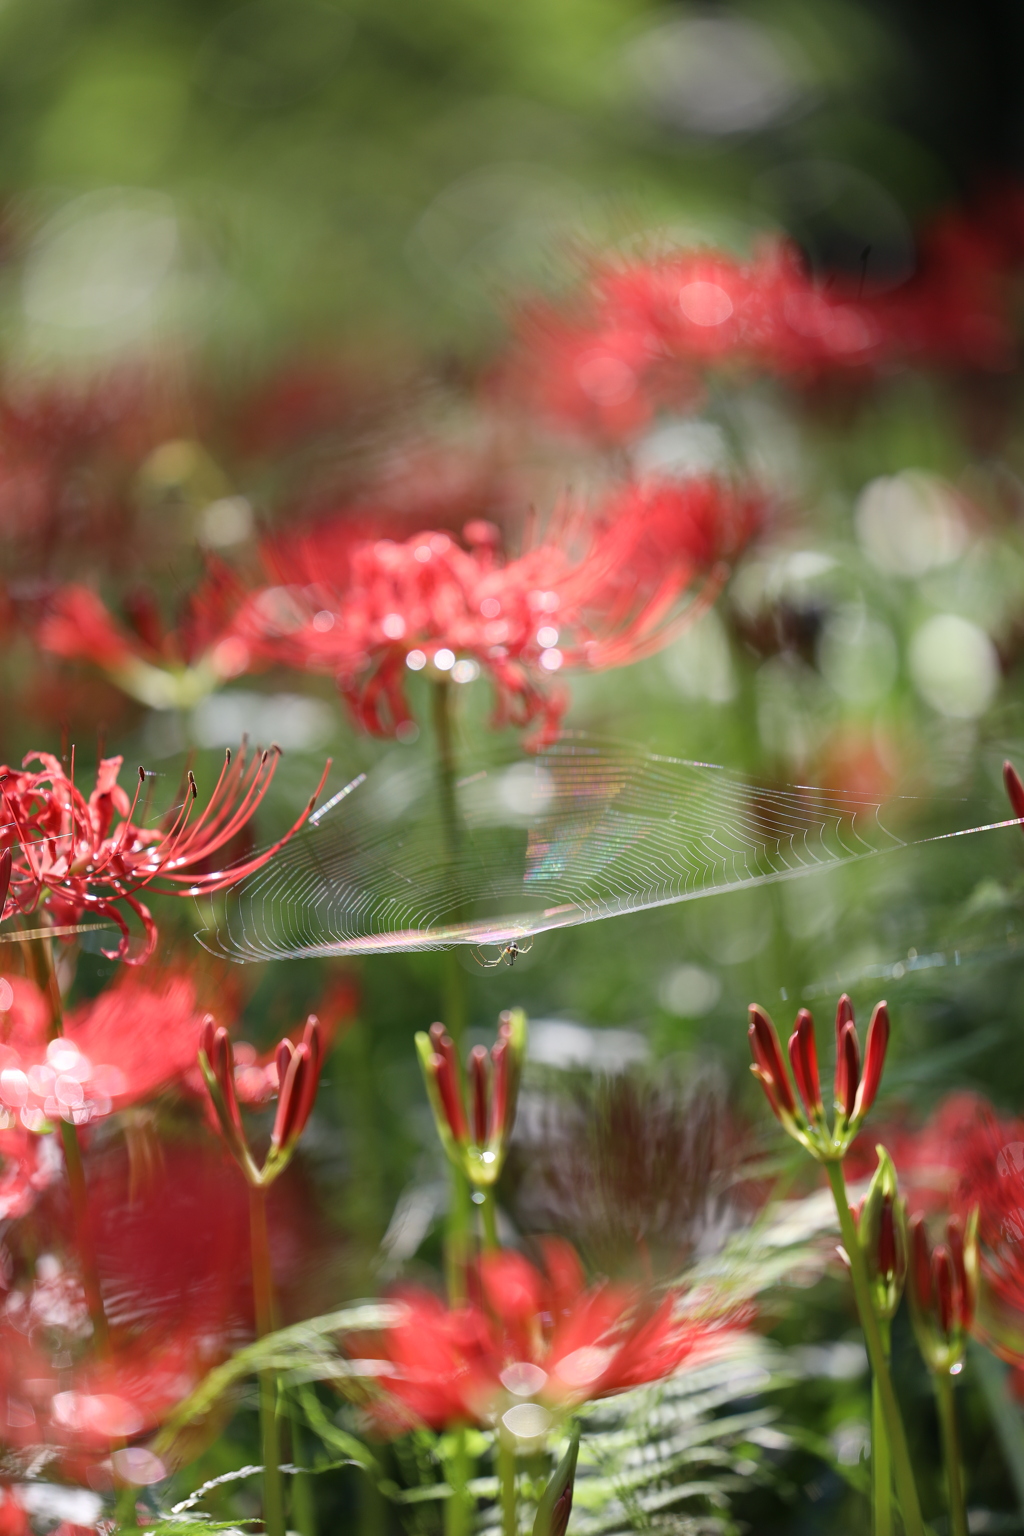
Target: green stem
[
  {"x": 509, "y": 1490},
  {"x": 489, "y": 1213},
  {"x": 903, "y": 1472},
  {"x": 458, "y": 1505},
  {"x": 459, "y": 1223},
  {"x": 303, "y": 1500},
  {"x": 263, "y": 1297},
  {"x": 40, "y": 956},
  {"x": 951, "y": 1452},
  {"x": 456, "y": 1246},
  {"x": 881, "y": 1465}
]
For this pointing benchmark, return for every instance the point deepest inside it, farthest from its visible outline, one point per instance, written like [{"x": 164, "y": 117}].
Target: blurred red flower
[
  {"x": 70, "y": 855},
  {"x": 645, "y": 332},
  {"x": 159, "y": 667},
  {"x": 969, "y": 1156},
  {"x": 596, "y": 592},
  {"x": 531, "y": 1336}
]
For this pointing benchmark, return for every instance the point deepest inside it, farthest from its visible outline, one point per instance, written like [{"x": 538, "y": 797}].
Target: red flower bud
[
  {"x": 478, "y": 1059},
  {"x": 221, "y": 1057},
  {"x": 844, "y": 1016},
  {"x": 803, "y": 1056},
  {"x": 1014, "y": 789},
  {"x": 920, "y": 1263},
  {"x": 451, "y": 1098},
  {"x": 847, "y": 1069},
  {"x": 499, "y": 1089},
  {"x": 945, "y": 1284},
  {"x": 312, "y": 1039},
  {"x": 295, "y": 1059},
  {"x": 874, "y": 1058},
  {"x": 886, "y": 1240},
  {"x": 768, "y": 1063},
  {"x": 964, "y": 1298},
  {"x": 5, "y": 877}
]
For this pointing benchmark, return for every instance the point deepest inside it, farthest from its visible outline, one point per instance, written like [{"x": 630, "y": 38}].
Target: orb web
[{"x": 583, "y": 830}]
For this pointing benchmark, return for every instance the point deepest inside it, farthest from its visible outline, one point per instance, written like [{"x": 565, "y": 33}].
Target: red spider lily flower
[
  {"x": 298, "y": 1067},
  {"x": 854, "y": 1095},
  {"x": 70, "y": 854},
  {"x": 645, "y": 333},
  {"x": 943, "y": 1290},
  {"x": 967, "y": 1165},
  {"x": 162, "y": 669},
  {"x": 530, "y": 1338},
  {"x": 596, "y": 593},
  {"x": 127, "y": 1044},
  {"x": 176, "y": 1292},
  {"x": 476, "y": 1139}
]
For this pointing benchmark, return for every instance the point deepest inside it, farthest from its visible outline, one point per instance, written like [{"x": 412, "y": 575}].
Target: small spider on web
[{"x": 507, "y": 956}]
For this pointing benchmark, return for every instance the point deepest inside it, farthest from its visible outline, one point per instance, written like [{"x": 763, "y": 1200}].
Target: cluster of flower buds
[
  {"x": 943, "y": 1290},
  {"x": 854, "y": 1093},
  {"x": 298, "y": 1076},
  {"x": 475, "y": 1137},
  {"x": 881, "y": 1221}
]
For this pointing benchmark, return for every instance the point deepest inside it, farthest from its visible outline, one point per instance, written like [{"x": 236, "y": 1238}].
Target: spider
[{"x": 508, "y": 955}]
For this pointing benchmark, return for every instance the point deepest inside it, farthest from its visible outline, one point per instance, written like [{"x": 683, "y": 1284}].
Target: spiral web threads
[{"x": 582, "y": 831}]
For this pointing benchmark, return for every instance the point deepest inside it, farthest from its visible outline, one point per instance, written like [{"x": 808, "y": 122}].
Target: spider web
[{"x": 582, "y": 831}]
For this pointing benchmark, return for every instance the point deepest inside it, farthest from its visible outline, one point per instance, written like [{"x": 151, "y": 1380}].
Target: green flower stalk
[
  {"x": 943, "y": 1293},
  {"x": 555, "y": 1504},
  {"x": 881, "y": 1223},
  {"x": 806, "y": 1121}
]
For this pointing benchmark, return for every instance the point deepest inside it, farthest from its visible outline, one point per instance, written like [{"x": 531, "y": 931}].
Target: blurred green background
[{"x": 212, "y": 192}]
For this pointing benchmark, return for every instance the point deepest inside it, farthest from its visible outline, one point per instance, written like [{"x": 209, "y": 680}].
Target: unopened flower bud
[
  {"x": 768, "y": 1066},
  {"x": 476, "y": 1140},
  {"x": 848, "y": 1070},
  {"x": 555, "y": 1505},
  {"x": 803, "y": 1057},
  {"x": 881, "y": 1230},
  {"x": 942, "y": 1291},
  {"x": 874, "y": 1060},
  {"x": 1014, "y": 789},
  {"x": 844, "y": 1016}
]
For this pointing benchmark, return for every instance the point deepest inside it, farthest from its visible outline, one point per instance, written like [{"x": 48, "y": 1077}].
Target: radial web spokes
[{"x": 584, "y": 830}]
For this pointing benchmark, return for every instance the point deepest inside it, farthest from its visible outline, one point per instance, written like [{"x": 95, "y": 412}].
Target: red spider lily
[
  {"x": 297, "y": 1074},
  {"x": 854, "y": 1094},
  {"x": 476, "y": 1142},
  {"x": 943, "y": 1285},
  {"x": 531, "y": 1336},
  {"x": 175, "y": 1288},
  {"x": 646, "y": 332},
  {"x": 70, "y": 855},
  {"x": 160, "y": 668},
  {"x": 125, "y": 1045},
  {"x": 595, "y": 593},
  {"x": 70, "y": 454}
]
